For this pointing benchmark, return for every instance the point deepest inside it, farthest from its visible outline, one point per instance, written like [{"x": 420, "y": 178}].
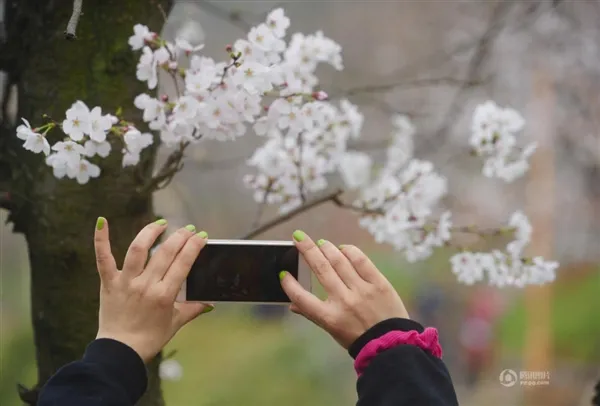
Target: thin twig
[
  {"x": 74, "y": 20},
  {"x": 408, "y": 84},
  {"x": 285, "y": 217},
  {"x": 162, "y": 11},
  {"x": 165, "y": 175},
  {"x": 482, "y": 50},
  {"x": 228, "y": 16}
]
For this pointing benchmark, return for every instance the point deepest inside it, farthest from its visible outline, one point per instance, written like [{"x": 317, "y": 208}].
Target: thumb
[{"x": 186, "y": 312}]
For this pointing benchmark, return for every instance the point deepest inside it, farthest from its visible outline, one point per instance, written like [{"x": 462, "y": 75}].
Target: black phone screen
[{"x": 241, "y": 273}]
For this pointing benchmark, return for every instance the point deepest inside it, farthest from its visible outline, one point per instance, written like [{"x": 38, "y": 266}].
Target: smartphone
[{"x": 243, "y": 271}]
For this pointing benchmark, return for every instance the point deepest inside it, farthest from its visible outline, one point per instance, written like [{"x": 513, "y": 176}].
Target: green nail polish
[
  {"x": 202, "y": 234},
  {"x": 320, "y": 242},
  {"x": 341, "y": 246},
  {"x": 190, "y": 227},
  {"x": 100, "y": 223},
  {"x": 161, "y": 222},
  {"x": 208, "y": 309},
  {"x": 299, "y": 235},
  {"x": 282, "y": 275}
]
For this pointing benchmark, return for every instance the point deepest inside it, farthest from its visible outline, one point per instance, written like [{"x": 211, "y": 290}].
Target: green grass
[
  {"x": 17, "y": 364},
  {"x": 575, "y": 321},
  {"x": 232, "y": 360}
]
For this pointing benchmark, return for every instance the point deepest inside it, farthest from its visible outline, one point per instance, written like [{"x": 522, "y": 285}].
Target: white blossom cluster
[
  {"x": 494, "y": 137},
  {"x": 507, "y": 267},
  {"x": 401, "y": 203},
  {"x": 270, "y": 86}
]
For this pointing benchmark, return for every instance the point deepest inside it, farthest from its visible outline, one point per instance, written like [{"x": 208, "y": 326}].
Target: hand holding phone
[{"x": 358, "y": 294}]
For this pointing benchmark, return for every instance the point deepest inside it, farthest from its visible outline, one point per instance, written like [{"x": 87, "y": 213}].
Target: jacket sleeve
[
  {"x": 110, "y": 374},
  {"x": 404, "y": 375}
]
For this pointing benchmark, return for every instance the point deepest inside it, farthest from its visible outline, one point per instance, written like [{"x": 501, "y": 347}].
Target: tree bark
[{"x": 57, "y": 217}]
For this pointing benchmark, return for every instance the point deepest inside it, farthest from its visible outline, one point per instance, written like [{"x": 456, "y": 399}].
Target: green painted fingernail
[
  {"x": 320, "y": 242},
  {"x": 161, "y": 222},
  {"x": 190, "y": 227},
  {"x": 202, "y": 234},
  {"x": 208, "y": 309},
  {"x": 341, "y": 246},
  {"x": 100, "y": 223},
  {"x": 282, "y": 275},
  {"x": 299, "y": 235}
]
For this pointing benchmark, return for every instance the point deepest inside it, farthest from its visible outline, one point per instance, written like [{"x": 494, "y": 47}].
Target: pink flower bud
[
  {"x": 164, "y": 98},
  {"x": 266, "y": 108},
  {"x": 320, "y": 95},
  {"x": 229, "y": 48}
]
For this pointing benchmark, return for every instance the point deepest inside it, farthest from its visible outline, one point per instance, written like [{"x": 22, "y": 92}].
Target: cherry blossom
[
  {"x": 141, "y": 35},
  {"x": 34, "y": 142},
  {"x": 77, "y": 123},
  {"x": 494, "y": 137},
  {"x": 269, "y": 87}
]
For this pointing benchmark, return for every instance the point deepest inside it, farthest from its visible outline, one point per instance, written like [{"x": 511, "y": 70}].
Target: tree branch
[
  {"x": 74, "y": 20},
  {"x": 285, "y": 217},
  {"x": 482, "y": 50},
  {"x": 443, "y": 81},
  {"x": 165, "y": 175},
  {"x": 229, "y": 16}
]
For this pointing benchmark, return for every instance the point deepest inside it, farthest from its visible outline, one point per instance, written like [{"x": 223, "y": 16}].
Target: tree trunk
[{"x": 57, "y": 217}]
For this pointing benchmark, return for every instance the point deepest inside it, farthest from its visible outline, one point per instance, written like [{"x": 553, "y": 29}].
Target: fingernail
[
  {"x": 341, "y": 246},
  {"x": 282, "y": 275},
  {"x": 202, "y": 234},
  {"x": 208, "y": 309},
  {"x": 161, "y": 222},
  {"x": 299, "y": 235},
  {"x": 190, "y": 227},
  {"x": 100, "y": 223},
  {"x": 320, "y": 242}
]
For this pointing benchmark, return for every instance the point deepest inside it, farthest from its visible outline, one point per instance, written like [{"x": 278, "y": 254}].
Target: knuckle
[
  {"x": 101, "y": 259},
  {"x": 137, "y": 248},
  {"x": 321, "y": 267},
  {"x": 336, "y": 261},
  {"x": 371, "y": 292},
  {"x": 296, "y": 296},
  {"x": 358, "y": 259},
  {"x": 137, "y": 289},
  {"x": 169, "y": 249},
  {"x": 164, "y": 299},
  {"x": 350, "y": 302}
]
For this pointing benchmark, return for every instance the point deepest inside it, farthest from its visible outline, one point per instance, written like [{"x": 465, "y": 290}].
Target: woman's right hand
[{"x": 358, "y": 295}]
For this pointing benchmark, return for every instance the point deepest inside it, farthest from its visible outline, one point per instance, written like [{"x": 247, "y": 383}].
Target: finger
[
  {"x": 319, "y": 264},
  {"x": 340, "y": 264},
  {"x": 180, "y": 268},
  {"x": 188, "y": 311},
  {"x": 303, "y": 302},
  {"x": 105, "y": 262},
  {"x": 164, "y": 256},
  {"x": 362, "y": 264},
  {"x": 137, "y": 254}
]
